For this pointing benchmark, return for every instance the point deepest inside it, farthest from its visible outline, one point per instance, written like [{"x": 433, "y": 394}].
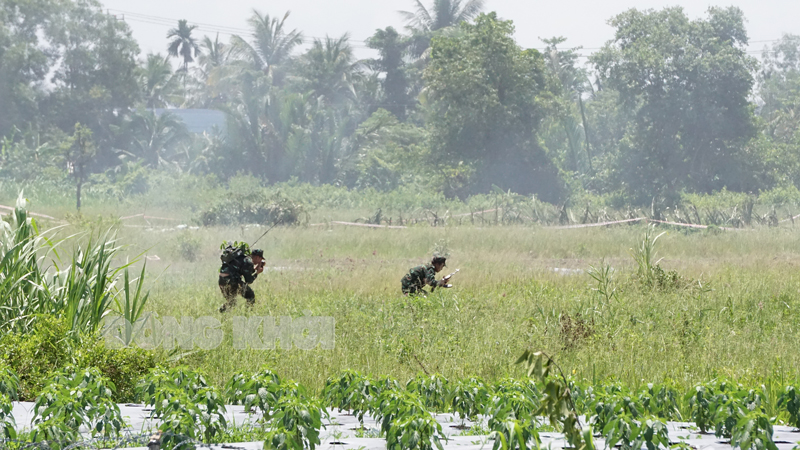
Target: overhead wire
[{"x": 221, "y": 29}]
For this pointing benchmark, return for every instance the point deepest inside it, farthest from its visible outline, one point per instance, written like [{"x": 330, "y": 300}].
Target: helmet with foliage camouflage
[{"x": 438, "y": 258}]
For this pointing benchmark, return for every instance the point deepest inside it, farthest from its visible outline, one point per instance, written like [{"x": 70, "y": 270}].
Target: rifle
[
  {"x": 265, "y": 233},
  {"x": 447, "y": 278}
]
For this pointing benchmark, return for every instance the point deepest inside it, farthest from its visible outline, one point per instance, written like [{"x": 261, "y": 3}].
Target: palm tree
[
  {"x": 156, "y": 134},
  {"x": 424, "y": 22},
  {"x": 330, "y": 70},
  {"x": 183, "y": 45},
  {"x": 271, "y": 45},
  {"x": 214, "y": 56},
  {"x": 158, "y": 82}
]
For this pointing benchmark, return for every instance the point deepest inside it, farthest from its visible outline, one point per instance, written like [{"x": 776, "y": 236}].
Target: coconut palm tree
[
  {"x": 183, "y": 45},
  {"x": 271, "y": 46},
  {"x": 211, "y": 64},
  {"x": 424, "y": 22},
  {"x": 330, "y": 70},
  {"x": 158, "y": 83},
  {"x": 156, "y": 135}
]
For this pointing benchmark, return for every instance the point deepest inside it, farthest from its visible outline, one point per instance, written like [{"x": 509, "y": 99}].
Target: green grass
[{"x": 737, "y": 318}]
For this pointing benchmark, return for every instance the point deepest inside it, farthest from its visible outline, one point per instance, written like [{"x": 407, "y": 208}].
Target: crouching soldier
[
  {"x": 240, "y": 267},
  {"x": 417, "y": 277}
]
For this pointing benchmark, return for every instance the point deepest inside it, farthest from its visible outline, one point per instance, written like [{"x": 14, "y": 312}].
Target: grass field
[{"x": 734, "y": 313}]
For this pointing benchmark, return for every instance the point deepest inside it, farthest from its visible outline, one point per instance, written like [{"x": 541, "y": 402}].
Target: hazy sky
[{"x": 582, "y": 22}]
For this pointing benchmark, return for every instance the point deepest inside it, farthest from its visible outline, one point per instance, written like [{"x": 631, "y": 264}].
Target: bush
[
  {"x": 187, "y": 246},
  {"x": 254, "y": 207},
  {"x": 40, "y": 354}
]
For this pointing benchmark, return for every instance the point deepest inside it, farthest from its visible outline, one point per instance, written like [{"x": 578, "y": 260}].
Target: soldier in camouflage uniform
[
  {"x": 236, "y": 275},
  {"x": 417, "y": 277}
]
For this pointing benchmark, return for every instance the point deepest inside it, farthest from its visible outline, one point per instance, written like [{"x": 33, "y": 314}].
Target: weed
[{"x": 575, "y": 330}]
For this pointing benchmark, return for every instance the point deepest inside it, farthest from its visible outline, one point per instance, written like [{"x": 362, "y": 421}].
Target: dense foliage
[{"x": 670, "y": 106}]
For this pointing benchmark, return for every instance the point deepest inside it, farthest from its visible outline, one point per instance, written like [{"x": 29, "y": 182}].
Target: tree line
[{"x": 670, "y": 105}]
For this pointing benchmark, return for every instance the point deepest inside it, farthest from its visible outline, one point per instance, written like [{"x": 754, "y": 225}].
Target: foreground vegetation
[{"x": 188, "y": 410}]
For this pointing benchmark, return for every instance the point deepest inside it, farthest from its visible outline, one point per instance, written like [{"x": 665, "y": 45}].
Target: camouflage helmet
[{"x": 257, "y": 252}]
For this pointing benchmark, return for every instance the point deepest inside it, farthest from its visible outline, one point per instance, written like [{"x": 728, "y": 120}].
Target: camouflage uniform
[
  {"x": 418, "y": 277},
  {"x": 234, "y": 280}
]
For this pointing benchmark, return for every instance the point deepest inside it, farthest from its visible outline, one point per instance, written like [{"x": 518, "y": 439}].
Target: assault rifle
[{"x": 447, "y": 278}]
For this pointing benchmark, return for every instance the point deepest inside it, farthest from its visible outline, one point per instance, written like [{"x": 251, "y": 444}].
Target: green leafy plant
[
  {"x": 184, "y": 402},
  {"x": 47, "y": 349},
  {"x": 392, "y": 405},
  {"x": 254, "y": 207},
  {"x": 183, "y": 415},
  {"x": 468, "y": 398},
  {"x": 259, "y": 391},
  {"x": 295, "y": 424},
  {"x": 632, "y": 434},
  {"x": 521, "y": 397},
  {"x": 160, "y": 382},
  {"x": 645, "y": 255},
  {"x": 789, "y": 401},
  {"x": 512, "y": 422},
  {"x": 9, "y": 383},
  {"x": 416, "y": 431},
  {"x": 434, "y": 390},
  {"x": 660, "y": 401},
  {"x": 603, "y": 275},
  {"x": 80, "y": 398},
  {"x": 556, "y": 402},
  {"x": 350, "y": 391},
  {"x": 7, "y": 423},
  {"x": 81, "y": 291},
  {"x": 701, "y": 404},
  {"x": 753, "y": 431}
]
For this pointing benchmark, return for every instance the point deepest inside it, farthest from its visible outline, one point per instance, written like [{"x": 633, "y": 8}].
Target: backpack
[{"x": 231, "y": 252}]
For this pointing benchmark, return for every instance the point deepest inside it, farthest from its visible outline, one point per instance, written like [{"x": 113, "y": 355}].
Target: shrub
[
  {"x": 187, "y": 246},
  {"x": 40, "y": 354},
  {"x": 254, "y": 207}
]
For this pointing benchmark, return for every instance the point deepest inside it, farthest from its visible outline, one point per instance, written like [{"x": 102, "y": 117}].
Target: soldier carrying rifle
[
  {"x": 417, "y": 277},
  {"x": 240, "y": 267}
]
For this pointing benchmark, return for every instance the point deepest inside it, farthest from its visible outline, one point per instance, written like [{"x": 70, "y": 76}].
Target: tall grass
[
  {"x": 740, "y": 324},
  {"x": 34, "y": 281}
]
